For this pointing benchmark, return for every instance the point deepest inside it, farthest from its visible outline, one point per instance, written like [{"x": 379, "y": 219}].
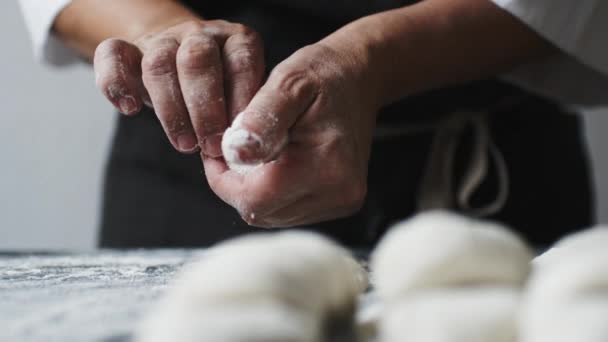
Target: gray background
[{"x": 54, "y": 135}]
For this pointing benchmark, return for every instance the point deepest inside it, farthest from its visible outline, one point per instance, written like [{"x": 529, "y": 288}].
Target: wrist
[
  {"x": 358, "y": 56},
  {"x": 373, "y": 52}
]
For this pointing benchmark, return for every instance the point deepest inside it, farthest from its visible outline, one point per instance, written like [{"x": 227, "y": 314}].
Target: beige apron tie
[{"x": 438, "y": 191}]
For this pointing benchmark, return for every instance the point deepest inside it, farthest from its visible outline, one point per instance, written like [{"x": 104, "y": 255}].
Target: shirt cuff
[
  {"x": 39, "y": 17},
  {"x": 579, "y": 28}
]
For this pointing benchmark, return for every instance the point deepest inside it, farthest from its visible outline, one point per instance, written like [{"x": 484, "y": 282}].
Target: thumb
[{"x": 261, "y": 131}]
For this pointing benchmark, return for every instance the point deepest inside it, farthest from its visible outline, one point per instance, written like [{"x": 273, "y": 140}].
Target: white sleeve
[
  {"x": 39, "y": 17},
  {"x": 580, "y": 29}
]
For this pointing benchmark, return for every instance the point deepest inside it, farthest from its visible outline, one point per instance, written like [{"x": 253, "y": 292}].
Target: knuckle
[
  {"x": 159, "y": 61},
  {"x": 109, "y": 48},
  {"x": 192, "y": 26},
  {"x": 241, "y": 60},
  {"x": 219, "y": 23},
  {"x": 241, "y": 29},
  {"x": 294, "y": 84},
  {"x": 198, "y": 53}
]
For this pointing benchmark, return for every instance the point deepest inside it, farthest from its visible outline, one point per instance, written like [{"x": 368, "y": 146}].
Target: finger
[
  {"x": 243, "y": 56},
  {"x": 260, "y": 132},
  {"x": 160, "y": 78},
  {"x": 200, "y": 72},
  {"x": 118, "y": 74}
]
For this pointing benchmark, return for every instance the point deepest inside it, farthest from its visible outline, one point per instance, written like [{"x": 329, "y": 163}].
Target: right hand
[{"x": 197, "y": 75}]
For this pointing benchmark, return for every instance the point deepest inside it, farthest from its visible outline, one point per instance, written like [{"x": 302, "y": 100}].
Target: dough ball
[
  {"x": 590, "y": 241},
  {"x": 263, "y": 322},
  {"x": 454, "y": 315},
  {"x": 567, "y": 295},
  {"x": 572, "y": 277},
  {"x": 302, "y": 268},
  {"x": 582, "y": 319},
  {"x": 269, "y": 287},
  {"x": 439, "y": 249}
]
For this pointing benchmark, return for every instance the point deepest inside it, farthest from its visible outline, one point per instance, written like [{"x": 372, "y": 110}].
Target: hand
[
  {"x": 196, "y": 74},
  {"x": 310, "y": 126}
]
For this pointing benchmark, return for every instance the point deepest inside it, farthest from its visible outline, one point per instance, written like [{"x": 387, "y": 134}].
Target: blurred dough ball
[
  {"x": 262, "y": 322},
  {"x": 583, "y": 319},
  {"x": 269, "y": 287},
  {"x": 439, "y": 249},
  {"x": 455, "y": 315},
  {"x": 567, "y": 295},
  {"x": 590, "y": 241}
]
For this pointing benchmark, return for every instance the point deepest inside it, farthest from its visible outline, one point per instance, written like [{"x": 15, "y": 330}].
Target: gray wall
[{"x": 54, "y": 135}]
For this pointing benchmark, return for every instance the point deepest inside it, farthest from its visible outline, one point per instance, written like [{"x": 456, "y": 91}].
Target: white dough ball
[
  {"x": 578, "y": 275},
  {"x": 302, "y": 268},
  {"x": 580, "y": 319},
  {"x": 261, "y": 280},
  {"x": 590, "y": 241},
  {"x": 567, "y": 295},
  {"x": 454, "y": 315},
  {"x": 262, "y": 322},
  {"x": 440, "y": 249}
]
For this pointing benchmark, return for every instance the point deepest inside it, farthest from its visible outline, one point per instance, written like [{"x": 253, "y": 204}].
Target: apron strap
[{"x": 437, "y": 189}]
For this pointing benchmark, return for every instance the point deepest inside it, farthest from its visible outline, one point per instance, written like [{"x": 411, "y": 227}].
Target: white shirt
[{"x": 577, "y": 76}]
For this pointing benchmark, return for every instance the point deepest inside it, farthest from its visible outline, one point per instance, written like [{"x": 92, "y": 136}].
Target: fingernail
[
  {"x": 212, "y": 145},
  {"x": 187, "y": 142},
  {"x": 127, "y": 105}
]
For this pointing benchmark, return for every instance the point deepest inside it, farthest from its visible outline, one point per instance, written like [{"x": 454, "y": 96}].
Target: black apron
[{"x": 157, "y": 197}]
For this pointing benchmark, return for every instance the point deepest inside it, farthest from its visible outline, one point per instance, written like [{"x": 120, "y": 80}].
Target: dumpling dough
[
  {"x": 590, "y": 241},
  {"x": 582, "y": 320},
  {"x": 440, "y": 249},
  {"x": 567, "y": 296},
  {"x": 448, "y": 278},
  {"x": 270, "y": 287},
  {"x": 463, "y": 315}
]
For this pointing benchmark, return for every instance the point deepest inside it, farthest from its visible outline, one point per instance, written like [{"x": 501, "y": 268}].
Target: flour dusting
[
  {"x": 238, "y": 137},
  {"x": 235, "y": 138}
]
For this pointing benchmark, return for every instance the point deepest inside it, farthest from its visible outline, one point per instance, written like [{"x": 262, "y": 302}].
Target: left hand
[{"x": 320, "y": 101}]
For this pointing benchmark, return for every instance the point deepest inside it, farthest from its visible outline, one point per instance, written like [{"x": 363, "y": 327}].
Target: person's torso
[{"x": 286, "y": 26}]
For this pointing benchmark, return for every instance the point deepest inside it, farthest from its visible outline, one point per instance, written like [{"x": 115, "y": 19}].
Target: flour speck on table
[{"x": 81, "y": 297}]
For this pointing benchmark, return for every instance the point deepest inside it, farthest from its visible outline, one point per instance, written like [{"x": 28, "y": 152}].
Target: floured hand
[
  {"x": 299, "y": 151},
  {"x": 196, "y": 74}
]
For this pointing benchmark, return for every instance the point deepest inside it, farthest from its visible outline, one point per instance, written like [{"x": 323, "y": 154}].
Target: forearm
[
  {"x": 437, "y": 43},
  {"x": 83, "y": 24}
]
